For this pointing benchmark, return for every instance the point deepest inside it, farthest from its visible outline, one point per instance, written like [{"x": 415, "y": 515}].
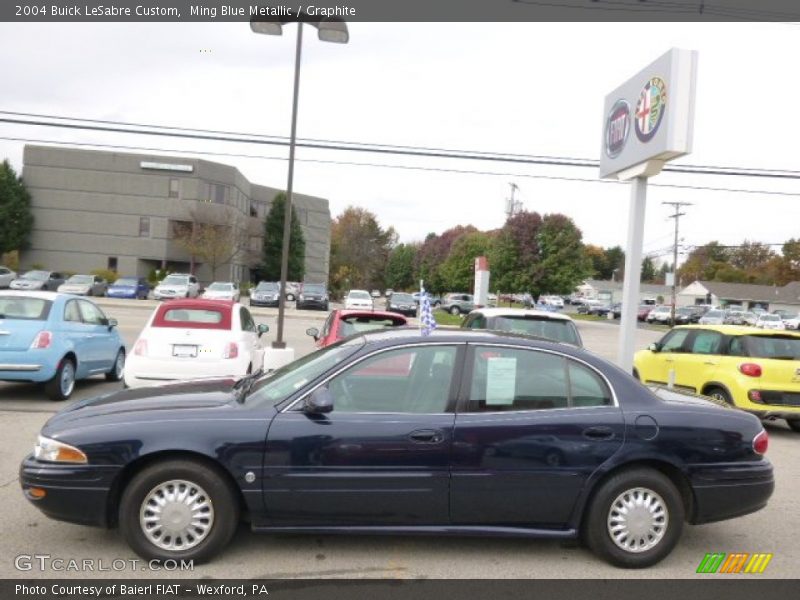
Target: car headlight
[{"x": 55, "y": 451}]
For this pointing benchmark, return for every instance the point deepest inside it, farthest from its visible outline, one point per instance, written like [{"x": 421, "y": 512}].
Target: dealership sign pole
[{"x": 647, "y": 121}]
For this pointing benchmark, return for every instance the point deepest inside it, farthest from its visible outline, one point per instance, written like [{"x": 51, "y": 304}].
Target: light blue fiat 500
[{"x": 57, "y": 339}]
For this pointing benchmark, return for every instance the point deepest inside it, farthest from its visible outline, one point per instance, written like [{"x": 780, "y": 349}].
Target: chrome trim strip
[{"x": 26, "y": 368}]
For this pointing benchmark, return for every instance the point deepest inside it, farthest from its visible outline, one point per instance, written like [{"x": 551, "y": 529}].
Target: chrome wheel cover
[
  {"x": 637, "y": 520},
  {"x": 176, "y": 515},
  {"x": 67, "y": 380}
]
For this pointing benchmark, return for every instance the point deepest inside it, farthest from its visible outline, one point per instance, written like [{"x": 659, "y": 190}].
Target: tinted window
[
  {"x": 351, "y": 325},
  {"x": 313, "y": 289},
  {"x": 409, "y": 380},
  {"x": 192, "y": 315},
  {"x": 673, "y": 341},
  {"x": 92, "y": 314},
  {"x": 17, "y": 307},
  {"x": 769, "y": 346},
  {"x": 554, "y": 329},
  {"x": 706, "y": 342},
  {"x": 247, "y": 320}
]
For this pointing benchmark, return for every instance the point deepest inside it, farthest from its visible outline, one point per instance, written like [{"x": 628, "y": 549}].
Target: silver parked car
[
  {"x": 84, "y": 285},
  {"x": 458, "y": 304},
  {"x": 6, "y": 277},
  {"x": 38, "y": 280}
]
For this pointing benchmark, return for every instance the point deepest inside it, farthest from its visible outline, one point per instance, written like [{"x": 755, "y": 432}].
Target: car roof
[
  {"x": 738, "y": 330},
  {"x": 35, "y": 294},
  {"x": 520, "y": 312},
  {"x": 456, "y": 334}
]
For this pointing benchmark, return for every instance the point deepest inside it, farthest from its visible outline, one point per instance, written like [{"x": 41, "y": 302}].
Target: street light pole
[{"x": 287, "y": 214}]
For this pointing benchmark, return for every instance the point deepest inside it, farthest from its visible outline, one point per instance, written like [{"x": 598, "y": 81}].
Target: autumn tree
[
  {"x": 514, "y": 257},
  {"x": 213, "y": 235},
  {"x": 360, "y": 250},
  {"x": 16, "y": 220},
  {"x": 270, "y": 268},
  {"x": 432, "y": 254}
]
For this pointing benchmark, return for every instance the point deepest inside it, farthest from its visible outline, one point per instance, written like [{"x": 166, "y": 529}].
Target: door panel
[{"x": 522, "y": 460}]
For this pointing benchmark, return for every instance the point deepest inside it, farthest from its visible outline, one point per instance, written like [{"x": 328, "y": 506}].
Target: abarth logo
[
  {"x": 734, "y": 563},
  {"x": 650, "y": 109},
  {"x": 618, "y": 125}
]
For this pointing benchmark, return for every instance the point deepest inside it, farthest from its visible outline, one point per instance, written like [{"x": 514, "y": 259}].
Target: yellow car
[{"x": 756, "y": 370}]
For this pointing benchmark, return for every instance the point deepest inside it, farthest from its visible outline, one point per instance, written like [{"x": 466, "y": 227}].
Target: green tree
[
  {"x": 615, "y": 261},
  {"x": 270, "y": 268},
  {"x": 514, "y": 257},
  {"x": 458, "y": 270},
  {"x": 648, "y": 270},
  {"x": 400, "y": 267},
  {"x": 564, "y": 263},
  {"x": 16, "y": 220}
]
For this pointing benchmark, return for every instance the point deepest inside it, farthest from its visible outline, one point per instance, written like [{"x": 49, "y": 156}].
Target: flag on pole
[{"x": 426, "y": 321}]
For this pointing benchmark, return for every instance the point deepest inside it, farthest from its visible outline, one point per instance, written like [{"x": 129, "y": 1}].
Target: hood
[{"x": 144, "y": 404}]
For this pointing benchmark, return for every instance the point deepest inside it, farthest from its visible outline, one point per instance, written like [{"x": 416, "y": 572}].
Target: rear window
[
  {"x": 124, "y": 281},
  {"x": 192, "y": 317},
  {"x": 773, "y": 346},
  {"x": 351, "y": 325},
  {"x": 27, "y": 309},
  {"x": 313, "y": 288},
  {"x": 552, "y": 329}
]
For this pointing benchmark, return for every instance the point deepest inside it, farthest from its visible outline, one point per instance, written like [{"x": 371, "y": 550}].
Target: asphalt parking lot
[{"x": 26, "y": 532}]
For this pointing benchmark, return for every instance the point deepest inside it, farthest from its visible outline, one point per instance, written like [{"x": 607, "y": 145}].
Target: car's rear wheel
[
  {"x": 62, "y": 384},
  {"x": 118, "y": 370},
  {"x": 178, "y": 509},
  {"x": 635, "y": 519},
  {"x": 290, "y": 297},
  {"x": 794, "y": 424},
  {"x": 719, "y": 393},
  {"x": 454, "y": 310}
]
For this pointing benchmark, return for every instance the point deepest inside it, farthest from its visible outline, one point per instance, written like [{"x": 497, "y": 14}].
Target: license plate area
[{"x": 184, "y": 351}]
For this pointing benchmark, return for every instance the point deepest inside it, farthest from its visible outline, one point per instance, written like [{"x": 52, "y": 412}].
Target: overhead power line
[
  {"x": 397, "y": 167},
  {"x": 107, "y": 126}
]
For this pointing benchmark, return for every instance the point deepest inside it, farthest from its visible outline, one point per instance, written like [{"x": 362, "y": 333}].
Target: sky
[{"x": 526, "y": 88}]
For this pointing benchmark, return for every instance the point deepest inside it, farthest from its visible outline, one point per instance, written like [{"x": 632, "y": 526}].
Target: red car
[{"x": 341, "y": 323}]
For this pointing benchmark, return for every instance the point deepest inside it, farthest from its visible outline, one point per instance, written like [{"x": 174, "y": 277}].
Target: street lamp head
[
  {"x": 332, "y": 31},
  {"x": 266, "y": 27}
]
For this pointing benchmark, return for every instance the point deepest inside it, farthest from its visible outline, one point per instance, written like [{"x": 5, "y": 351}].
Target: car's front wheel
[
  {"x": 62, "y": 384},
  {"x": 455, "y": 311},
  {"x": 118, "y": 370},
  {"x": 635, "y": 519},
  {"x": 178, "y": 509}
]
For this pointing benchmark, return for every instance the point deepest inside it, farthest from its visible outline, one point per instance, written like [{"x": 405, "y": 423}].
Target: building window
[
  {"x": 174, "y": 188},
  {"x": 144, "y": 226},
  {"x": 216, "y": 193},
  {"x": 112, "y": 263}
]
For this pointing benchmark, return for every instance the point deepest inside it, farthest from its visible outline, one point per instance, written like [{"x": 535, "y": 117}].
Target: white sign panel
[
  {"x": 501, "y": 381},
  {"x": 166, "y": 167},
  {"x": 650, "y": 116}
]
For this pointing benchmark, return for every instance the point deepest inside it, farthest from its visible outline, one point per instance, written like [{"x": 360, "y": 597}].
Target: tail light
[
  {"x": 42, "y": 340},
  {"x": 140, "y": 349},
  {"x": 761, "y": 443},
  {"x": 755, "y": 396},
  {"x": 750, "y": 369},
  {"x": 231, "y": 350}
]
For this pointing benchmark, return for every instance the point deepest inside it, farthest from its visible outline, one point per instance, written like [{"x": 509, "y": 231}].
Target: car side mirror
[
  {"x": 654, "y": 347},
  {"x": 320, "y": 401},
  {"x": 313, "y": 332},
  {"x": 112, "y": 323},
  {"x": 262, "y": 329}
]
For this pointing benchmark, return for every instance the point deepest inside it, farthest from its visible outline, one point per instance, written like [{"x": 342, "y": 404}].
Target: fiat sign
[{"x": 658, "y": 105}]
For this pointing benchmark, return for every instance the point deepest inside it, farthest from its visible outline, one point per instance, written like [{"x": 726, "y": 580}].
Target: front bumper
[
  {"x": 727, "y": 491},
  {"x": 409, "y": 311},
  {"x": 73, "y": 493},
  {"x": 313, "y": 303},
  {"x": 264, "y": 302}
]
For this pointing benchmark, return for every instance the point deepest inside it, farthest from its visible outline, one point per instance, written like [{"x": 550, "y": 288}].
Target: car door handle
[
  {"x": 598, "y": 433},
  {"x": 426, "y": 436},
  {"x": 710, "y": 362}
]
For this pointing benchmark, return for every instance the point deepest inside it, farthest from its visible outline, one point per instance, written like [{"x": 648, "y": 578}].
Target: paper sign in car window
[{"x": 501, "y": 381}]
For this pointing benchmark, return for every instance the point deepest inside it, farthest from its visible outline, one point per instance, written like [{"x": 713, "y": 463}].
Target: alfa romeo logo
[
  {"x": 650, "y": 109},
  {"x": 618, "y": 125}
]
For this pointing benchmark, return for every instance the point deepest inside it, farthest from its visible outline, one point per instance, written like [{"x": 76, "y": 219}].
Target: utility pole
[
  {"x": 676, "y": 215},
  {"x": 513, "y": 206}
]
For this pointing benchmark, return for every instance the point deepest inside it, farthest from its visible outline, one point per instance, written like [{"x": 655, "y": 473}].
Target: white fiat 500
[{"x": 195, "y": 338}]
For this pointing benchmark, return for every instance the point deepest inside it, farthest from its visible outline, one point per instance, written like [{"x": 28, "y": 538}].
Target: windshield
[
  {"x": 715, "y": 314},
  {"x": 773, "y": 346},
  {"x": 359, "y": 295},
  {"x": 176, "y": 280},
  {"x": 125, "y": 281},
  {"x": 222, "y": 287},
  {"x": 558, "y": 330},
  {"x": 310, "y": 288},
  {"x": 36, "y": 275},
  {"x": 398, "y": 297},
  {"x": 282, "y": 383},
  {"x": 19, "y": 307},
  {"x": 267, "y": 286},
  {"x": 81, "y": 279},
  {"x": 770, "y": 318}
]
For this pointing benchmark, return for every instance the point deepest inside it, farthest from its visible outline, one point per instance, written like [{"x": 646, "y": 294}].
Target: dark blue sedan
[
  {"x": 457, "y": 433},
  {"x": 129, "y": 287}
]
